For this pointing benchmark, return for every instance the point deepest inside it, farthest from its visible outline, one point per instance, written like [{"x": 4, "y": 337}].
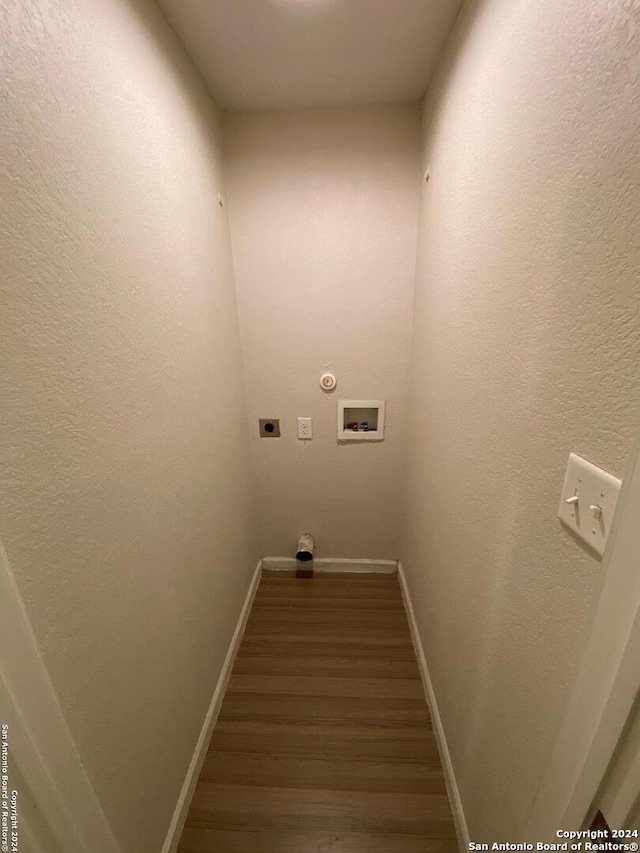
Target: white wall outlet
[
  {"x": 305, "y": 428},
  {"x": 588, "y": 501}
]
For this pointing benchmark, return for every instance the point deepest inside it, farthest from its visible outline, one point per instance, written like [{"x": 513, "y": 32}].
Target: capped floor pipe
[{"x": 305, "y": 547}]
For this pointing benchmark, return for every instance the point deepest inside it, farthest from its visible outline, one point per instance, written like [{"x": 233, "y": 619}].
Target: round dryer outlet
[{"x": 328, "y": 381}]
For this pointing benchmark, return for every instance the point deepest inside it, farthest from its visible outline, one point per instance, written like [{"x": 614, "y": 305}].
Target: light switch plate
[{"x": 597, "y": 493}]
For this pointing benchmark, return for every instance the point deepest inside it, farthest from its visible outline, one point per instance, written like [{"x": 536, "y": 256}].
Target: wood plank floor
[{"x": 324, "y": 742}]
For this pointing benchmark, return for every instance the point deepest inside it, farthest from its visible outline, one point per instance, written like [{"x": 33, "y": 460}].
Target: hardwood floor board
[
  {"x": 204, "y": 840},
  {"x": 278, "y": 771},
  {"x": 311, "y": 685},
  {"x": 327, "y": 666},
  {"x": 373, "y": 634},
  {"x": 346, "y": 581},
  {"x": 242, "y": 806},
  {"x": 345, "y": 587},
  {"x": 390, "y": 578},
  {"x": 332, "y": 603},
  {"x": 373, "y": 648},
  {"x": 278, "y": 617},
  {"x": 349, "y": 587},
  {"x": 324, "y": 591},
  {"x": 314, "y": 710},
  {"x": 371, "y": 743}
]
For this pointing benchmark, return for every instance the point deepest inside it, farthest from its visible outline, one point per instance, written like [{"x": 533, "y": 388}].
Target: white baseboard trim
[
  {"x": 334, "y": 564},
  {"x": 452, "y": 788},
  {"x": 184, "y": 800}
]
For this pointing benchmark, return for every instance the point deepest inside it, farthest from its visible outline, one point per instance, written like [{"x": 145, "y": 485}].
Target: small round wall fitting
[{"x": 328, "y": 381}]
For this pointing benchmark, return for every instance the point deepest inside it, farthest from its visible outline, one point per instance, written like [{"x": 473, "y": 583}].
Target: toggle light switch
[{"x": 588, "y": 501}]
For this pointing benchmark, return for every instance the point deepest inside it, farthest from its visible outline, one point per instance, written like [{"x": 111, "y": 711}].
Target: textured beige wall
[
  {"x": 323, "y": 208},
  {"x": 125, "y": 490},
  {"x": 526, "y": 346}
]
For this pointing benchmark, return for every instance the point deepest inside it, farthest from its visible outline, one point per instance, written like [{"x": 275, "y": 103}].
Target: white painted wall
[
  {"x": 526, "y": 345},
  {"x": 323, "y": 208},
  {"x": 124, "y": 474}
]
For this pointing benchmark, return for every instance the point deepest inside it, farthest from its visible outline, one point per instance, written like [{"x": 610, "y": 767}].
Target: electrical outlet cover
[{"x": 305, "y": 428}]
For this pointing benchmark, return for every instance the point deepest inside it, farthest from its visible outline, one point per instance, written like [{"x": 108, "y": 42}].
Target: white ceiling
[{"x": 258, "y": 54}]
